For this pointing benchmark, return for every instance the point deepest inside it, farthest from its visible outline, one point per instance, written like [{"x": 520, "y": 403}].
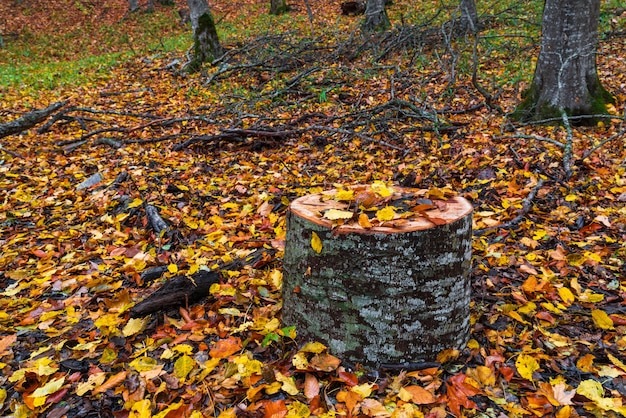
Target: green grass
[{"x": 36, "y": 62}]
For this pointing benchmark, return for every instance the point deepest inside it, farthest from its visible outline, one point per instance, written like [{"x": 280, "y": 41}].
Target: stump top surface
[{"x": 312, "y": 207}]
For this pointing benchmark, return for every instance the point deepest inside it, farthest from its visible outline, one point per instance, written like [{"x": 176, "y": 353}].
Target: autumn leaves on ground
[{"x": 292, "y": 109}]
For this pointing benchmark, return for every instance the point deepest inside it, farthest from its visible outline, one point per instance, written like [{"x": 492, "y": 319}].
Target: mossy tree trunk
[
  {"x": 381, "y": 296},
  {"x": 566, "y": 78},
  {"x": 278, "y": 7},
  {"x": 376, "y": 19},
  {"x": 207, "y": 45}
]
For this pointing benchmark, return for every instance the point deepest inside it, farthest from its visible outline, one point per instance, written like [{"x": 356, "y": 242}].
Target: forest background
[{"x": 294, "y": 107}]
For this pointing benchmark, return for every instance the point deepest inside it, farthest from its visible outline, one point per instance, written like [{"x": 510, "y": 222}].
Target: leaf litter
[{"x": 548, "y": 302}]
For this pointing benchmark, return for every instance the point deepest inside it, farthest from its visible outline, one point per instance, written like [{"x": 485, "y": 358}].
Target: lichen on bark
[{"x": 385, "y": 298}]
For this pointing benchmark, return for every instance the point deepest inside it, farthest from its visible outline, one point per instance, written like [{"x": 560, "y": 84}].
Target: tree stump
[{"x": 390, "y": 293}]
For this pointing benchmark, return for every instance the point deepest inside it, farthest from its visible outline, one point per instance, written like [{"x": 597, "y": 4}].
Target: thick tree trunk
[
  {"x": 207, "y": 45},
  {"x": 376, "y": 18},
  {"x": 566, "y": 78},
  {"x": 278, "y": 7},
  {"x": 381, "y": 296},
  {"x": 469, "y": 16}
]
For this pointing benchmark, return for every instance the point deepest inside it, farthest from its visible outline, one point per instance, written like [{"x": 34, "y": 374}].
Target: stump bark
[{"x": 392, "y": 294}]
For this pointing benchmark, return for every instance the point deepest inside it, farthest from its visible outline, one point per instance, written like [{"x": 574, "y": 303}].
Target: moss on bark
[
  {"x": 207, "y": 46},
  {"x": 532, "y": 109},
  {"x": 278, "y": 7}
]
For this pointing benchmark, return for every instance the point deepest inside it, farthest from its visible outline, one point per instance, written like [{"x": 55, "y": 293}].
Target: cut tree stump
[{"x": 397, "y": 293}]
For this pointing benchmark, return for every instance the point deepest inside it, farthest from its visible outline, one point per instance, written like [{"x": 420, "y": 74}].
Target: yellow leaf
[
  {"x": 47, "y": 389},
  {"x": 171, "y": 408},
  {"x": 314, "y": 347},
  {"x": 143, "y": 364},
  {"x": 601, "y": 319},
  {"x": 183, "y": 348},
  {"x": 566, "y": 295},
  {"x": 172, "y": 268},
  {"x": 94, "y": 380},
  {"x": 134, "y": 326},
  {"x": 593, "y": 390},
  {"x": 316, "y": 242},
  {"x": 526, "y": 365},
  {"x": 363, "y": 390},
  {"x": 571, "y": 197},
  {"x": 300, "y": 361},
  {"x": 298, "y": 410},
  {"x": 141, "y": 409},
  {"x": 345, "y": 195},
  {"x": 183, "y": 366},
  {"x": 288, "y": 383},
  {"x": 135, "y": 203},
  {"x": 617, "y": 362},
  {"x": 386, "y": 214},
  {"x": 334, "y": 214},
  {"x": 364, "y": 221},
  {"x": 381, "y": 189}
]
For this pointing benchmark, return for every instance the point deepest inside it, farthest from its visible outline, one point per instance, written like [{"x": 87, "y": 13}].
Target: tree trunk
[
  {"x": 566, "y": 78},
  {"x": 376, "y": 18},
  {"x": 278, "y": 7},
  {"x": 469, "y": 16},
  {"x": 381, "y": 296},
  {"x": 133, "y": 5},
  {"x": 207, "y": 45}
]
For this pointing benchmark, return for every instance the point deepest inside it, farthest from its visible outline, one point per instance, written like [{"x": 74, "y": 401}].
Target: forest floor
[{"x": 295, "y": 108}]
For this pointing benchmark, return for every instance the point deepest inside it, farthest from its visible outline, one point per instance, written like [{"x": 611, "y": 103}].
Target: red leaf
[{"x": 458, "y": 392}]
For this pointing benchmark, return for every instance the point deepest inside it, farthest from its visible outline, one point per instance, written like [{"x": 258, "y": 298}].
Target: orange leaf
[
  {"x": 6, "y": 342},
  {"x": 324, "y": 362},
  {"x": 419, "y": 395},
  {"x": 311, "y": 386},
  {"x": 111, "y": 382},
  {"x": 276, "y": 409},
  {"x": 226, "y": 347}
]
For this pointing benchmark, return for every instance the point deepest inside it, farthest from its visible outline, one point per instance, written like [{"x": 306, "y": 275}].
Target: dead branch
[
  {"x": 177, "y": 291},
  {"x": 567, "y": 147},
  {"x": 186, "y": 290},
  {"x": 29, "y": 120},
  {"x": 526, "y": 207}
]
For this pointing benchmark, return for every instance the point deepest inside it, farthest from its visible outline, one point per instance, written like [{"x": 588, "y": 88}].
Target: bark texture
[
  {"x": 379, "y": 296},
  {"x": 207, "y": 45},
  {"x": 278, "y": 7},
  {"x": 29, "y": 120},
  {"x": 376, "y": 18},
  {"x": 469, "y": 16},
  {"x": 566, "y": 78}
]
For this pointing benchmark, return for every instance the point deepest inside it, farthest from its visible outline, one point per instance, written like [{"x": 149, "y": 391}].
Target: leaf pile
[{"x": 149, "y": 168}]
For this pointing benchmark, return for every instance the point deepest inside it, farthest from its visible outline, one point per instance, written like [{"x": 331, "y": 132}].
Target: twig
[
  {"x": 527, "y": 205},
  {"x": 567, "y": 147},
  {"x": 534, "y": 137}
]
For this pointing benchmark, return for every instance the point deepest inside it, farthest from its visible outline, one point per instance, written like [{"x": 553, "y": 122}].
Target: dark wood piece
[{"x": 29, "y": 120}]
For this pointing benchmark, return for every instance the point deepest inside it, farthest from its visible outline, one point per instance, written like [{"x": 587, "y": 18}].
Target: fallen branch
[
  {"x": 187, "y": 290},
  {"x": 177, "y": 291},
  {"x": 29, "y": 120},
  {"x": 527, "y": 205}
]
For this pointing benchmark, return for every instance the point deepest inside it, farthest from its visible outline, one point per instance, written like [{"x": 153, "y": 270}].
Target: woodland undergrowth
[{"x": 217, "y": 157}]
